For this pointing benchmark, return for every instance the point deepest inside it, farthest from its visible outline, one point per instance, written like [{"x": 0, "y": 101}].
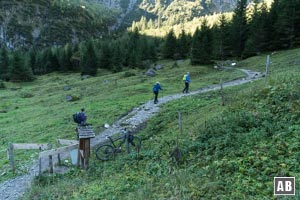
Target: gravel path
[{"x": 14, "y": 188}]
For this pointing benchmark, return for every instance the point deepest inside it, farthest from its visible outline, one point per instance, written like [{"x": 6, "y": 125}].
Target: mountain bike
[{"x": 109, "y": 150}]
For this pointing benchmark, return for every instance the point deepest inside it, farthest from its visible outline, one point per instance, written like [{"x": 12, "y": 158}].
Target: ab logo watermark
[{"x": 284, "y": 185}]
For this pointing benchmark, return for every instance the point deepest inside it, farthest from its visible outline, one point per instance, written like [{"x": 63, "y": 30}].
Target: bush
[
  {"x": 128, "y": 74},
  {"x": 2, "y": 85}
]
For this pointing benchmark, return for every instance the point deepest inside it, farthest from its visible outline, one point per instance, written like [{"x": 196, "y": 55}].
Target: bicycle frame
[{"x": 106, "y": 151}]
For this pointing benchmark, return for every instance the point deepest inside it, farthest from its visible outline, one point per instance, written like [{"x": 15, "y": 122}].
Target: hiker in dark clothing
[
  {"x": 81, "y": 121},
  {"x": 82, "y": 117},
  {"x": 187, "y": 80},
  {"x": 128, "y": 137},
  {"x": 156, "y": 89}
]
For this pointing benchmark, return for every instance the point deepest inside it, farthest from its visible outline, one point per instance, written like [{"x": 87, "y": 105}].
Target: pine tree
[
  {"x": 170, "y": 44},
  {"x": 202, "y": 45},
  {"x": 239, "y": 28},
  {"x": 195, "y": 50},
  {"x": 272, "y": 20},
  {"x": 287, "y": 25},
  {"x": 19, "y": 69},
  {"x": 88, "y": 60},
  {"x": 258, "y": 40},
  {"x": 4, "y": 63},
  {"x": 117, "y": 60},
  {"x": 61, "y": 55},
  {"x": 222, "y": 44},
  {"x": 183, "y": 45},
  {"x": 32, "y": 59},
  {"x": 68, "y": 56},
  {"x": 105, "y": 60}
]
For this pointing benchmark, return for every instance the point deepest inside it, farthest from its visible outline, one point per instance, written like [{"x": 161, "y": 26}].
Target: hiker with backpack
[
  {"x": 186, "y": 78},
  {"x": 128, "y": 137},
  {"x": 80, "y": 117},
  {"x": 156, "y": 89}
]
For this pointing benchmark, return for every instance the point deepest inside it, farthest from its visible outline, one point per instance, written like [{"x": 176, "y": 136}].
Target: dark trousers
[
  {"x": 186, "y": 87},
  {"x": 155, "y": 97}
]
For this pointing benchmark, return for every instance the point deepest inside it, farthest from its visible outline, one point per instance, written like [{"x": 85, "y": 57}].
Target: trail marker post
[
  {"x": 267, "y": 65},
  {"x": 85, "y": 133}
]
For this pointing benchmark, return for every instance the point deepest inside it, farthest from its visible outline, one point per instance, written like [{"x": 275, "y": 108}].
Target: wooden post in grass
[
  {"x": 11, "y": 156},
  {"x": 222, "y": 92},
  {"x": 176, "y": 154},
  {"x": 267, "y": 65},
  {"x": 50, "y": 164},
  {"x": 180, "y": 126}
]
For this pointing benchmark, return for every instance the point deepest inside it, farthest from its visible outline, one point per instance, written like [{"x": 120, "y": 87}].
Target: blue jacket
[
  {"x": 187, "y": 78},
  {"x": 156, "y": 87}
]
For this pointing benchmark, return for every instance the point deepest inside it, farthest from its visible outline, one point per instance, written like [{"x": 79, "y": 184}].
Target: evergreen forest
[{"x": 251, "y": 30}]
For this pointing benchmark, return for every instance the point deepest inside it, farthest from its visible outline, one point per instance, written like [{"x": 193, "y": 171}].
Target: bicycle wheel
[
  {"x": 105, "y": 152},
  {"x": 134, "y": 146}
]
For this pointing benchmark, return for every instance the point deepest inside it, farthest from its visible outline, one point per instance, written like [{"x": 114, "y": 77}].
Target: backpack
[
  {"x": 184, "y": 77},
  {"x": 77, "y": 118},
  {"x": 154, "y": 89}
]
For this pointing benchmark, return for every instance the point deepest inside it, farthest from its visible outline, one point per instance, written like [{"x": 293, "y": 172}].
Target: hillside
[
  {"x": 230, "y": 151},
  {"x": 52, "y": 23}
]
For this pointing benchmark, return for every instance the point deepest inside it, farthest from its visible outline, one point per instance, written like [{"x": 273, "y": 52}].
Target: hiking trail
[{"x": 14, "y": 188}]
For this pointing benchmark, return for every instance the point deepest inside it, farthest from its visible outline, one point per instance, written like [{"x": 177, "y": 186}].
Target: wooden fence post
[
  {"x": 222, "y": 92},
  {"x": 50, "y": 164},
  {"x": 11, "y": 156}
]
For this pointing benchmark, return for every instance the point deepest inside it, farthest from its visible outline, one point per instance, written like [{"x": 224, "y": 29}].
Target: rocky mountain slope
[{"x": 41, "y": 23}]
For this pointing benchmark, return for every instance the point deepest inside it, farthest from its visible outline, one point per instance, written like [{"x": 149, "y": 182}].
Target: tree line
[{"x": 251, "y": 30}]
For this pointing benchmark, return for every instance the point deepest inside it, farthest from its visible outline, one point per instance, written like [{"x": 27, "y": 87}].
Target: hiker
[
  {"x": 82, "y": 117},
  {"x": 128, "y": 136},
  {"x": 156, "y": 89},
  {"x": 187, "y": 80}
]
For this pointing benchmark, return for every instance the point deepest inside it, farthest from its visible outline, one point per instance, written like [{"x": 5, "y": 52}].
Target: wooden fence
[{"x": 13, "y": 146}]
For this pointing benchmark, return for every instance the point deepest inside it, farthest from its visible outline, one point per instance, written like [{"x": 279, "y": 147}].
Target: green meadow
[
  {"x": 38, "y": 112},
  {"x": 223, "y": 152}
]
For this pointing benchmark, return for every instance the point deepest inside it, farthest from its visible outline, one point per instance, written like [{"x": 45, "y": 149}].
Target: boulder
[
  {"x": 70, "y": 98},
  {"x": 150, "y": 72},
  {"x": 158, "y": 67},
  {"x": 66, "y": 88}
]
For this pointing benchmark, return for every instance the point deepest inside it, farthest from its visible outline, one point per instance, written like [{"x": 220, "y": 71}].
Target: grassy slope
[
  {"x": 39, "y": 113},
  {"x": 230, "y": 152}
]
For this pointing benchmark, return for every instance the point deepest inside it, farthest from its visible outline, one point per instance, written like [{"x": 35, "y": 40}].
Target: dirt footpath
[{"x": 14, "y": 188}]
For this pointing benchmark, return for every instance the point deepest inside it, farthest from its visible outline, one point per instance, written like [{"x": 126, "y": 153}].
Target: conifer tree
[
  {"x": 201, "y": 52},
  {"x": 239, "y": 28},
  {"x": 4, "y": 63},
  {"x": 169, "y": 47},
  {"x": 183, "y": 45},
  {"x": 19, "y": 69},
  {"x": 117, "y": 60},
  {"x": 106, "y": 54},
  {"x": 195, "y": 50},
  {"x": 88, "y": 60},
  {"x": 53, "y": 60},
  {"x": 68, "y": 56},
  {"x": 258, "y": 40},
  {"x": 287, "y": 25},
  {"x": 134, "y": 50},
  {"x": 272, "y": 20},
  {"x": 222, "y": 44},
  {"x": 62, "y": 59}
]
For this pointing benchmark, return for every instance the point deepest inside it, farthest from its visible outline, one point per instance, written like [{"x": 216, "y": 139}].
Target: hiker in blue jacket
[
  {"x": 187, "y": 80},
  {"x": 156, "y": 89}
]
